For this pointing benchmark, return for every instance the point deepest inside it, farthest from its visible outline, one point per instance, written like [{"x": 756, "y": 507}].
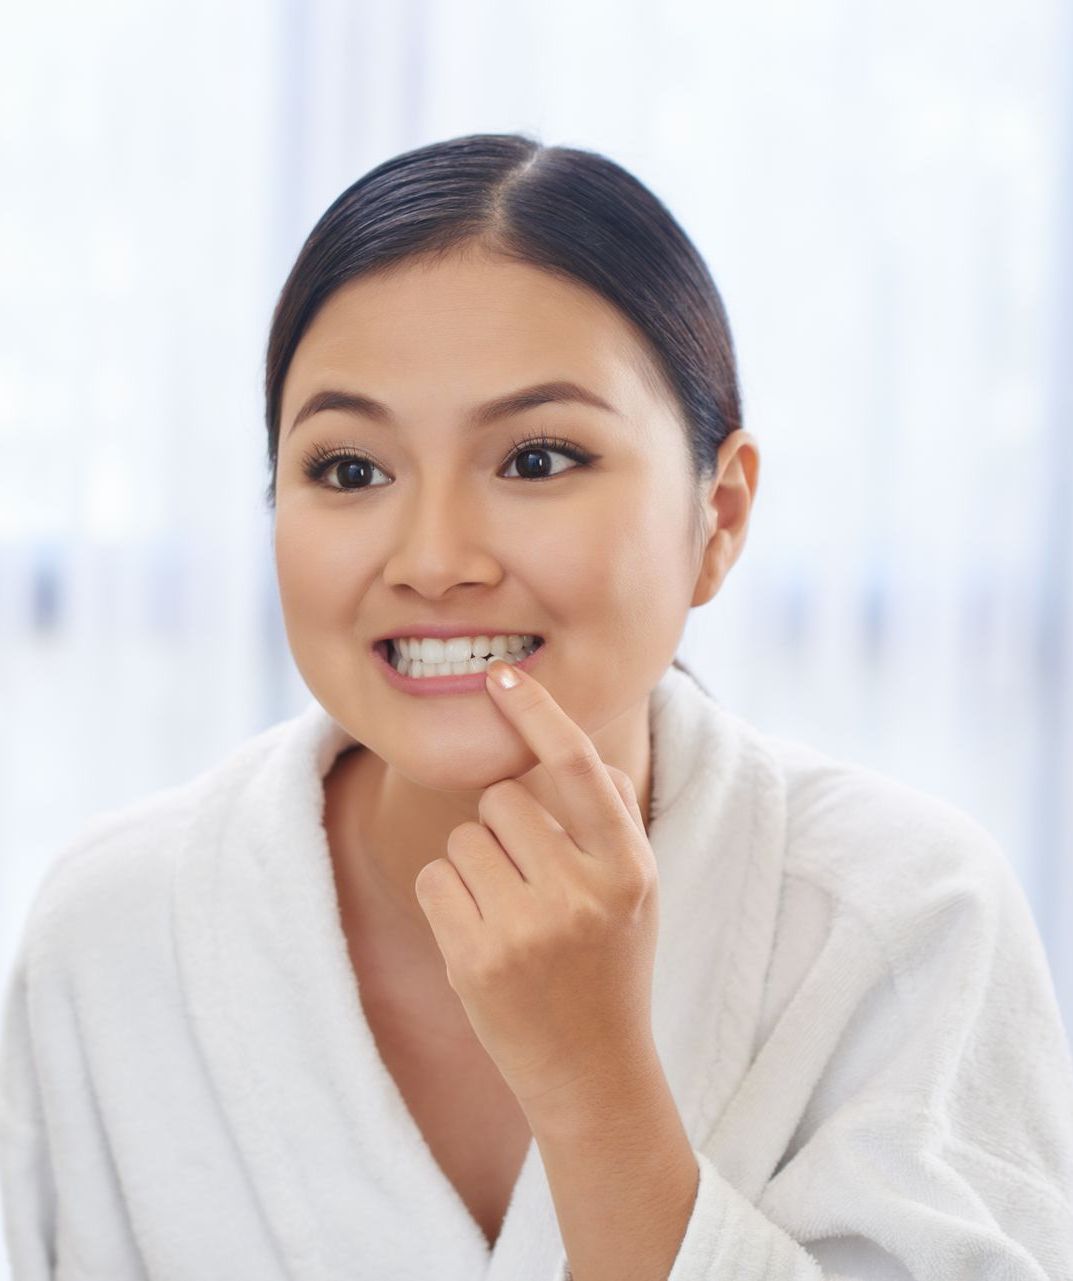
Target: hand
[{"x": 548, "y": 930}]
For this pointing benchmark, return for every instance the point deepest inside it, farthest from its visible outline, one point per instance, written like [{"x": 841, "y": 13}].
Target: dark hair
[{"x": 569, "y": 211}]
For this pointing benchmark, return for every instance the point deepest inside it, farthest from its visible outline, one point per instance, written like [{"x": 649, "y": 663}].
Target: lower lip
[{"x": 441, "y": 684}]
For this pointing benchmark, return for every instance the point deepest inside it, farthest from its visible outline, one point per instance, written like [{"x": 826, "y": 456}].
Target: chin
[{"x": 457, "y": 771}]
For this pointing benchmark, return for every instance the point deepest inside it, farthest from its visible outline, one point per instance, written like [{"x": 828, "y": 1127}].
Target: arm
[
  {"x": 623, "y": 1176},
  {"x": 26, "y": 1183}
]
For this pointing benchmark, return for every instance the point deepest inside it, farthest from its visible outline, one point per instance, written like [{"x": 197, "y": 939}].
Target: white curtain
[{"x": 884, "y": 195}]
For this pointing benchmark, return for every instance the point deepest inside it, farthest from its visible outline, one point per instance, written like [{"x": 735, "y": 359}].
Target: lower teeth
[{"x": 467, "y": 667}]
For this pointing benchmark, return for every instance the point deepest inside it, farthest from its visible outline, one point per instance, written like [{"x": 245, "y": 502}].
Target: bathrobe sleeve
[
  {"x": 936, "y": 1143},
  {"x": 65, "y": 1213},
  {"x": 26, "y": 1180}
]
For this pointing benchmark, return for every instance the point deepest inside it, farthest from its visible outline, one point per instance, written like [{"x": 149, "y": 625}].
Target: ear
[{"x": 729, "y": 504}]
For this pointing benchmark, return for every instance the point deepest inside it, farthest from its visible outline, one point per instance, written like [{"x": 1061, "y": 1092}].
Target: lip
[
  {"x": 440, "y": 684},
  {"x": 444, "y": 631}
]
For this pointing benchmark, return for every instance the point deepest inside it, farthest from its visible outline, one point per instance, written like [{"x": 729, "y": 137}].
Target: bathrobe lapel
[{"x": 347, "y": 1184}]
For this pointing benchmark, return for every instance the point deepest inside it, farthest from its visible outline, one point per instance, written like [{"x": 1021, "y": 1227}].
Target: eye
[
  {"x": 529, "y": 449},
  {"x": 339, "y": 463},
  {"x": 319, "y": 461}
]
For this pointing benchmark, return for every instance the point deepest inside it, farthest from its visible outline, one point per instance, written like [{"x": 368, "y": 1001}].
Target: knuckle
[
  {"x": 579, "y": 762},
  {"x": 430, "y": 877},
  {"x": 494, "y": 795},
  {"x": 493, "y": 966},
  {"x": 621, "y": 777},
  {"x": 626, "y": 790},
  {"x": 584, "y": 912},
  {"x": 635, "y": 884},
  {"x": 466, "y": 842}
]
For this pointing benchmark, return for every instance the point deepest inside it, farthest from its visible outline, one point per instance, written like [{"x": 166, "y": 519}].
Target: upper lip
[{"x": 445, "y": 630}]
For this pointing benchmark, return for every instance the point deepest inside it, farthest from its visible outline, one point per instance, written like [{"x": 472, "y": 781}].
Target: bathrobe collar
[{"x": 339, "y": 1165}]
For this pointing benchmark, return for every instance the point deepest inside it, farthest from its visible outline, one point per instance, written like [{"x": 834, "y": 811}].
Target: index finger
[{"x": 590, "y": 797}]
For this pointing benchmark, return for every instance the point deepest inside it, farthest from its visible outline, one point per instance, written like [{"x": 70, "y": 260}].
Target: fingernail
[{"x": 503, "y": 674}]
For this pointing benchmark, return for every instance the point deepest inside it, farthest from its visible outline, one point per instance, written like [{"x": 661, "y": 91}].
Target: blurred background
[{"x": 884, "y": 195}]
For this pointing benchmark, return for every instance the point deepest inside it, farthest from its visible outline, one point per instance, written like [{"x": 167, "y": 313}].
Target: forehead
[{"x": 466, "y": 329}]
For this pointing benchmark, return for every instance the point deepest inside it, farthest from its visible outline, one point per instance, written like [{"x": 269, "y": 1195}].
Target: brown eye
[
  {"x": 346, "y": 467},
  {"x": 530, "y": 450}
]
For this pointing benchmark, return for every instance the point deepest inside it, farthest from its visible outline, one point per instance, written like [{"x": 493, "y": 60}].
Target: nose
[{"x": 440, "y": 538}]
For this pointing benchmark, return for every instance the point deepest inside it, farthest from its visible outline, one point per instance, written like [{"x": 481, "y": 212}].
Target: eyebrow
[{"x": 515, "y": 402}]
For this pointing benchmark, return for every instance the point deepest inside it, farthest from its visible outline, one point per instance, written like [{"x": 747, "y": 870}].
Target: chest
[{"x": 470, "y": 1120}]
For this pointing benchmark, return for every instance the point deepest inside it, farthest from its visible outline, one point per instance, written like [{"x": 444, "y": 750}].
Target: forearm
[{"x": 623, "y": 1178}]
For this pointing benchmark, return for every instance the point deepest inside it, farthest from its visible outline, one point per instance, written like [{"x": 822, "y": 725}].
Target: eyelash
[{"x": 319, "y": 459}]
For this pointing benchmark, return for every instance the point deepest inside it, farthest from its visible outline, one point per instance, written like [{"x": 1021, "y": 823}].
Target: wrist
[{"x": 617, "y": 1093}]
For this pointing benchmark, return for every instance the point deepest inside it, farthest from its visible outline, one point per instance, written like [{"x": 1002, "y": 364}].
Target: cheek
[
  {"x": 574, "y": 544},
  {"x": 310, "y": 568},
  {"x": 642, "y": 581}
]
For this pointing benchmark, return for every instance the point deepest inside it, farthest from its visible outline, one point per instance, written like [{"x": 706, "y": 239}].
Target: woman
[{"x": 587, "y": 977}]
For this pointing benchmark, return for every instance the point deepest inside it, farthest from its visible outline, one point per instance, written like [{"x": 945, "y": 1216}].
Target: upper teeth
[{"x": 457, "y": 649}]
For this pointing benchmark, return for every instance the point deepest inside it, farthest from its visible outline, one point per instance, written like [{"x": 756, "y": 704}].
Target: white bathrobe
[{"x": 851, "y": 1003}]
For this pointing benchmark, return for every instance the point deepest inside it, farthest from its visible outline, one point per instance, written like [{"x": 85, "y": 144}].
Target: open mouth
[{"x": 387, "y": 650}]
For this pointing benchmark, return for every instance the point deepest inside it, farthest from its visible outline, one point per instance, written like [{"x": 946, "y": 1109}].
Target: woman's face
[{"x": 448, "y": 522}]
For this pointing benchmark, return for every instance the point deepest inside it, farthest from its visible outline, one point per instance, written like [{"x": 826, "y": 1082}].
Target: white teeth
[
  {"x": 459, "y": 649},
  {"x": 464, "y": 666}
]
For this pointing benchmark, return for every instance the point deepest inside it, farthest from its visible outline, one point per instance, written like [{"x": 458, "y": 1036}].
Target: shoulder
[
  {"x": 893, "y": 855},
  {"x": 841, "y": 838},
  {"x": 117, "y": 869}
]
